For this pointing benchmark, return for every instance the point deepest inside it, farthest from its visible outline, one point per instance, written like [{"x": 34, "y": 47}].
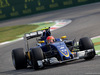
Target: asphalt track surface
[{"x": 85, "y": 22}]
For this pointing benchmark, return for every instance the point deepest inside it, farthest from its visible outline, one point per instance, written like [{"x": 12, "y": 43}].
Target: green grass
[
  {"x": 96, "y": 40},
  {"x": 97, "y": 47},
  {"x": 12, "y": 32}
]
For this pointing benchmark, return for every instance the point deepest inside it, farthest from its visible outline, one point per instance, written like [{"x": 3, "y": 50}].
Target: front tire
[
  {"x": 85, "y": 43},
  {"x": 36, "y": 54},
  {"x": 19, "y": 59}
]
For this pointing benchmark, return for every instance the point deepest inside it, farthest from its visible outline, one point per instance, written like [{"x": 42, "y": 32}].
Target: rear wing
[
  {"x": 31, "y": 35},
  {"x": 35, "y": 34}
]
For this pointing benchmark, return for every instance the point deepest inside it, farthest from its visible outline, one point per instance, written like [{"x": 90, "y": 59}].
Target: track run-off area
[{"x": 85, "y": 23}]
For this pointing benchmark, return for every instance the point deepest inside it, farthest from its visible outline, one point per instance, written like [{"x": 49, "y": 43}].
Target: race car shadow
[
  {"x": 64, "y": 64},
  {"x": 30, "y": 70},
  {"x": 68, "y": 63}
]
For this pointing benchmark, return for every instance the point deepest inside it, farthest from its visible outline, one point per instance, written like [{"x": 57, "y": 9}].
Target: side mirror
[
  {"x": 41, "y": 42},
  {"x": 63, "y": 37}
]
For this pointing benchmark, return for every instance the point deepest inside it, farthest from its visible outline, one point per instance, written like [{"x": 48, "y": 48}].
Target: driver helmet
[{"x": 50, "y": 39}]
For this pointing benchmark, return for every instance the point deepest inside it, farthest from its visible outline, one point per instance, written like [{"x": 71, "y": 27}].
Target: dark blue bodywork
[
  {"x": 58, "y": 45},
  {"x": 63, "y": 50}
]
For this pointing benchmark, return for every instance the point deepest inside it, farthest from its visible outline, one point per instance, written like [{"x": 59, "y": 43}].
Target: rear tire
[
  {"x": 85, "y": 43},
  {"x": 19, "y": 59},
  {"x": 36, "y": 54}
]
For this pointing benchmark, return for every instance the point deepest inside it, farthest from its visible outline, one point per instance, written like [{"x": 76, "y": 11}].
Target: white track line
[{"x": 95, "y": 37}]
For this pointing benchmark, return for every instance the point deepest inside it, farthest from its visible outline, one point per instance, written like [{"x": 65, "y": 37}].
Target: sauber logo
[
  {"x": 63, "y": 50},
  {"x": 62, "y": 47}
]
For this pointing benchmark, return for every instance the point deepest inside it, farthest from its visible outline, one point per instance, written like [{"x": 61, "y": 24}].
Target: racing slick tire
[
  {"x": 19, "y": 59},
  {"x": 85, "y": 43},
  {"x": 36, "y": 54}
]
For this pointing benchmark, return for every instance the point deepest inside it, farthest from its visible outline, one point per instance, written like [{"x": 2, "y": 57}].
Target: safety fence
[{"x": 17, "y": 8}]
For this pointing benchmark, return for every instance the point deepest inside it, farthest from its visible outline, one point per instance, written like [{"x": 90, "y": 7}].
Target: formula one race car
[{"x": 61, "y": 50}]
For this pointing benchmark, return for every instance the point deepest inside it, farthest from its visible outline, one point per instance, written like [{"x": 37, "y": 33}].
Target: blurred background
[{"x": 17, "y": 8}]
